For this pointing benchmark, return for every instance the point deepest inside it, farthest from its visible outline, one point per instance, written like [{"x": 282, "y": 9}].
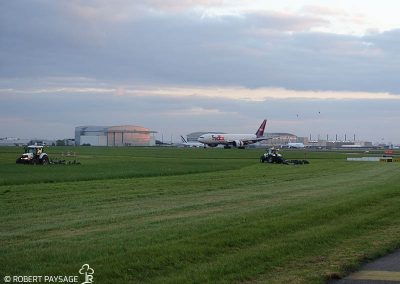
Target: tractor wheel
[
  {"x": 270, "y": 160},
  {"x": 45, "y": 160}
]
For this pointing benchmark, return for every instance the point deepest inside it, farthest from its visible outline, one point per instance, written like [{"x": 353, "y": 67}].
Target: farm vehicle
[
  {"x": 33, "y": 155},
  {"x": 273, "y": 157}
]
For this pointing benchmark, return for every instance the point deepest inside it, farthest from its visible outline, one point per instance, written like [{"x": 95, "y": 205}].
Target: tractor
[
  {"x": 33, "y": 155},
  {"x": 272, "y": 156}
]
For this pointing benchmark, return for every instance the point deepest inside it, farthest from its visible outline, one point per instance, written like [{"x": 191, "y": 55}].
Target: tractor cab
[
  {"x": 34, "y": 150},
  {"x": 273, "y": 151}
]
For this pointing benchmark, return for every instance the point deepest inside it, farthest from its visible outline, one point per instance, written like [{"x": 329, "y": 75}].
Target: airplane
[
  {"x": 235, "y": 140},
  {"x": 295, "y": 145},
  {"x": 190, "y": 144}
]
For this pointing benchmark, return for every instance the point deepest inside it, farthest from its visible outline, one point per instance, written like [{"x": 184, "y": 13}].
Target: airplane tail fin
[
  {"x": 183, "y": 139},
  {"x": 260, "y": 131}
]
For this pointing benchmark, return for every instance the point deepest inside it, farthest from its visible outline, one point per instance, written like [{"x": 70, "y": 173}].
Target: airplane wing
[{"x": 255, "y": 140}]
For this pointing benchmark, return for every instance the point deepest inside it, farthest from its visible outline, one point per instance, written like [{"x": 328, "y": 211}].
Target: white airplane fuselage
[
  {"x": 225, "y": 139},
  {"x": 235, "y": 140},
  {"x": 192, "y": 144},
  {"x": 296, "y": 145}
]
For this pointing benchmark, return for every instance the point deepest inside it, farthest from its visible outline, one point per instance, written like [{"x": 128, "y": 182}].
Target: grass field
[{"x": 165, "y": 215}]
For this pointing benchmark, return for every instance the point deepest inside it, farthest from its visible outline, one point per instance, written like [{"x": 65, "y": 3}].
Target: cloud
[
  {"x": 252, "y": 49},
  {"x": 339, "y": 20},
  {"x": 175, "y": 111},
  {"x": 267, "y": 22},
  {"x": 182, "y": 5},
  {"x": 152, "y": 63},
  {"x": 167, "y": 92}
]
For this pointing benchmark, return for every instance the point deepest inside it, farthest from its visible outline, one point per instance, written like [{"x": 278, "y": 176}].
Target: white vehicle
[
  {"x": 235, "y": 140},
  {"x": 34, "y": 155},
  {"x": 295, "y": 145},
  {"x": 191, "y": 144}
]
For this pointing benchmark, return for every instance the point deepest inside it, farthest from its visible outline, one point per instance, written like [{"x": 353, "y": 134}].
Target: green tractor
[{"x": 34, "y": 156}]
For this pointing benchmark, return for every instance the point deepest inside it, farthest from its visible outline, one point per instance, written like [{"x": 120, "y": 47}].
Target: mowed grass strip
[
  {"x": 101, "y": 163},
  {"x": 259, "y": 223}
]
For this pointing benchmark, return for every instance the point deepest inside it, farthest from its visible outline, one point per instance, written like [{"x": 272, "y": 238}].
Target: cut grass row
[
  {"x": 254, "y": 223},
  {"x": 107, "y": 163}
]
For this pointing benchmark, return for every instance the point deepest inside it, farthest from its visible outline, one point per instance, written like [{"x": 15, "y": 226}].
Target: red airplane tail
[{"x": 260, "y": 131}]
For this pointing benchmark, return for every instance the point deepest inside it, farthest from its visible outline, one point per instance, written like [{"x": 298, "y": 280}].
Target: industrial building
[{"x": 124, "y": 135}]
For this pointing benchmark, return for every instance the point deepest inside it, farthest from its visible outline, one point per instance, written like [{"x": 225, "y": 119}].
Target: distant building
[
  {"x": 11, "y": 141},
  {"x": 124, "y": 135},
  {"x": 280, "y": 139},
  {"x": 91, "y": 135},
  {"x": 337, "y": 144},
  {"x": 69, "y": 142},
  {"x": 42, "y": 142}
]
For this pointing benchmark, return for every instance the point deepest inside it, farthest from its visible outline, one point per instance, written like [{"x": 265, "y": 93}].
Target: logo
[
  {"x": 88, "y": 272},
  {"x": 218, "y": 137},
  {"x": 85, "y": 270}
]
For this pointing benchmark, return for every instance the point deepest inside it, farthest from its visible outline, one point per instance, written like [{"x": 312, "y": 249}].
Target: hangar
[{"x": 124, "y": 135}]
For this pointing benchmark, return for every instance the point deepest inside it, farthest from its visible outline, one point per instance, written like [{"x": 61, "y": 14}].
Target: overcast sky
[{"x": 309, "y": 67}]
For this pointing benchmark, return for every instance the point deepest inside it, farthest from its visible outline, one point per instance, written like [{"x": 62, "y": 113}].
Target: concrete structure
[
  {"x": 91, "y": 135},
  {"x": 340, "y": 144},
  {"x": 130, "y": 135},
  {"x": 124, "y": 135},
  {"x": 11, "y": 141},
  {"x": 279, "y": 139}
]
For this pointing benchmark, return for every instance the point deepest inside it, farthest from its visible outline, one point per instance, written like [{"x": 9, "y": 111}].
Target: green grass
[
  {"x": 107, "y": 163},
  {"x": 151, "y": 215}
]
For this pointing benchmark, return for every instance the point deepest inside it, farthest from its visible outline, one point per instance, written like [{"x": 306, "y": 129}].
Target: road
[{"x": 385, "y": 270}]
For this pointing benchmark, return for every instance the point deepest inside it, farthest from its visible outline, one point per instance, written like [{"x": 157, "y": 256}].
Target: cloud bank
[{"x": 152, "y": 61}]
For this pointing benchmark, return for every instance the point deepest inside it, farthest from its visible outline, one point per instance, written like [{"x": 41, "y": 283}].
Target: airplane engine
[
  {"x": 238, "y": 143},
  {"x": 212, "y": 145}
]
